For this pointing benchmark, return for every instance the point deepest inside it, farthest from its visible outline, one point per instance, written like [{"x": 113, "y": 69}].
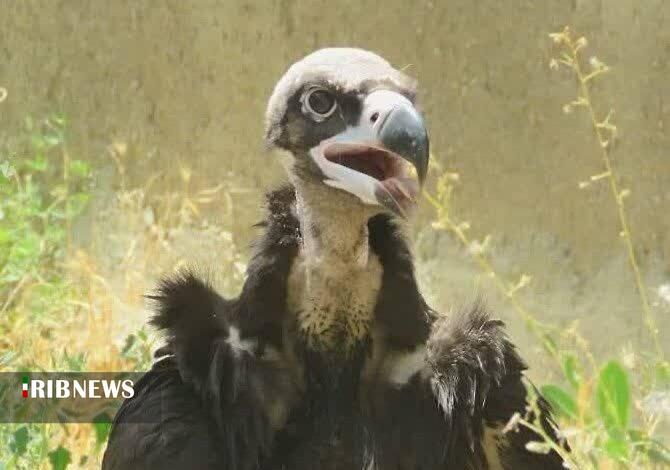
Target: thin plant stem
[
  {"x": 486, "y": 266},
  {"x": 599, "y": 127},
  {"x": 14, "y": 293}
]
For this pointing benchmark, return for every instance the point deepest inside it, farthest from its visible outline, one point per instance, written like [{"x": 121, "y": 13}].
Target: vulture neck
[
  {"x": 335, "y": 280},
  {"x": 333, "y": 225}
]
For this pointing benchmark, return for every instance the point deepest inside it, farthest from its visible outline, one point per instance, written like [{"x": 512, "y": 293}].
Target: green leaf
[
  {"x": 19, "y": 442},
  {"x": 79, "y": 168},
  {"x": 662, "y": 372},
  {"x": 561, "y": 401},
  {"x": 653, "y": 449},
  {"x": 75, "y": 362},
  {"x": 142, "y": 334},
  {"x": 38, "y": 163},
  {"x": 7, "y": 169},
  {"x": 616, "y": 448},
  {"x": 102, "y": 424},
  {"x": 60, "y": 458},
  {"x": 77, "y": 203},
  {"x": 5, "y": 236},
  {"x": 572, "y": 370},
  {"x": 549, "y": 344},
  {"x": 613, "y": 394},
  {"x": 58, "y": 120},
  {"x": 28, "y": 248},
  {"x": 128, "y": 344}
]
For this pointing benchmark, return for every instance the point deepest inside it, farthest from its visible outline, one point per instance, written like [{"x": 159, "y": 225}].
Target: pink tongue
[{"x": 403, "y": 187}]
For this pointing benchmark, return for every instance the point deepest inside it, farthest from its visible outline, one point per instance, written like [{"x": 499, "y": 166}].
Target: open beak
[{"x": 382, "y": 160}]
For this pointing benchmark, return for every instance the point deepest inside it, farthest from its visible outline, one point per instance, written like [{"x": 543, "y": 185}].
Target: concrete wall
[{"x": 187, "y": 81}]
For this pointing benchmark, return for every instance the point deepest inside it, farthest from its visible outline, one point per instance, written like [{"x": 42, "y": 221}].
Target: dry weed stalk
[
  {"x": 441, "y": 202},
  {"x": 605, "y": 133}
]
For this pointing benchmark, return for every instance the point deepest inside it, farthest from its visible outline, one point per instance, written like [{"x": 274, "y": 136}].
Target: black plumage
[
  {"x": 329, "y": 358},
  {"x": 205, "y": 406}
]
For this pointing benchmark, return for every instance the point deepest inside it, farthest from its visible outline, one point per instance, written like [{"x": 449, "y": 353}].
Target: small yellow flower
[
  {"x": 629, "y": 358},
  {"x": 596, "y": 63},
  {"x": 558, "y": 38}
]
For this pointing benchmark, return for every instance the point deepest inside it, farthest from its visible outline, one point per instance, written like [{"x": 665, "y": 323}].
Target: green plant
[
  {"x": 599, "y": 409},
  {"x": 137, "y": 349},
  {"x": 605, "y": 132},
  {"x": 56, "y": 304},
  {"x": 41, "y": 190},
  {"x": 609, "y": 390},
  {"x": 35, "y": 214}
]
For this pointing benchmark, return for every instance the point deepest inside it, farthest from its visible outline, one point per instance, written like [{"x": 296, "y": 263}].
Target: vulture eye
[{"x": 318, "y": 103}]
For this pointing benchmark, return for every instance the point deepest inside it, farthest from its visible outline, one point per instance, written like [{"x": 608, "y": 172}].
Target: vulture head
[{"x": 348, "y": 120}]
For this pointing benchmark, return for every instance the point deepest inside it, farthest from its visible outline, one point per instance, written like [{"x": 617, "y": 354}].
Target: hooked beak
[{"x": 383, "y": 160}]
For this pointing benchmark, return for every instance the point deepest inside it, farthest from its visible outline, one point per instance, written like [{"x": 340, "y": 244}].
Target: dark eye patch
[{"x": 299, "y": 131}]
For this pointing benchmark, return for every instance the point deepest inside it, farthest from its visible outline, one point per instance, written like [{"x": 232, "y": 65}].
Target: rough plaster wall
[{"x": 187, "y": 81}]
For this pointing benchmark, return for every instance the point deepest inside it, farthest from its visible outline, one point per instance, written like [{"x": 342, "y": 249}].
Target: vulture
[{"x": 330, "y": 358}]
